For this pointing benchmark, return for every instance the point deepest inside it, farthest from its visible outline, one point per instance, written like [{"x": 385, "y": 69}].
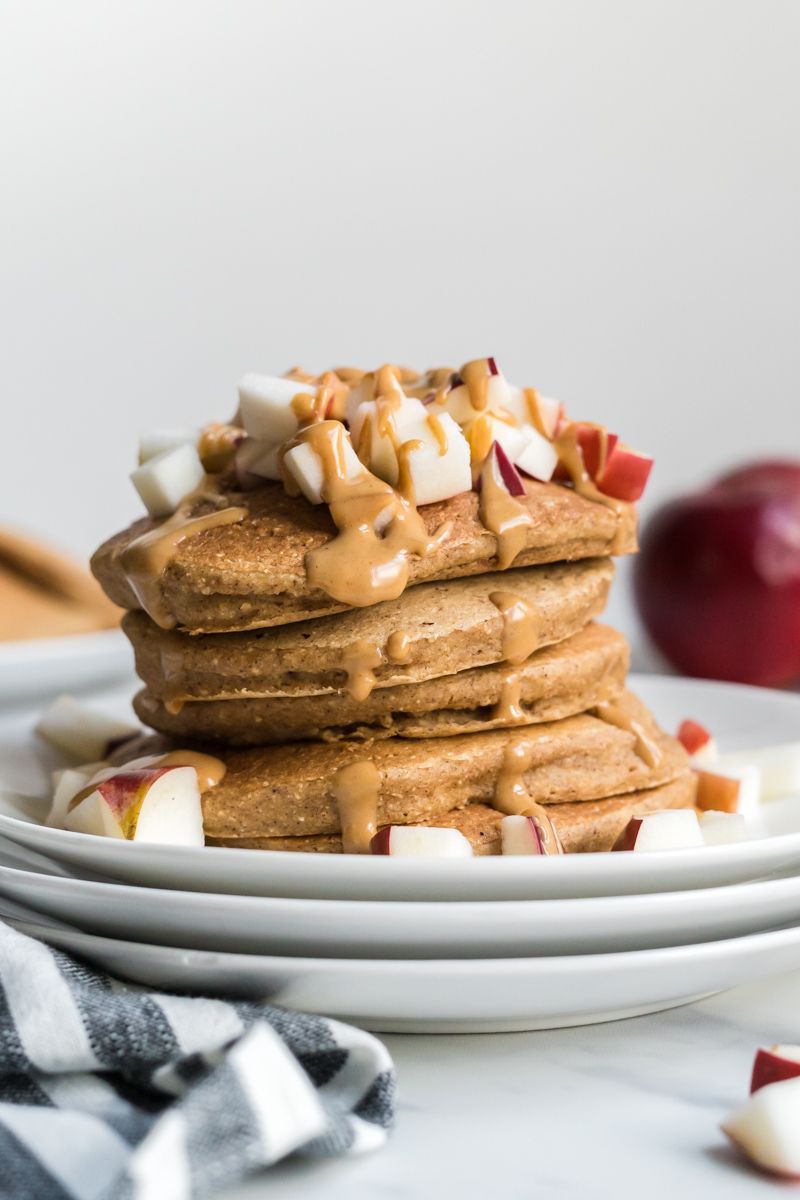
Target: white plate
[
  {"x": 392, "y": 929},
  {"x": 446, "y": 996},
  {"x": 739, "y": 716},
  {"x": 46, "y": 666}
]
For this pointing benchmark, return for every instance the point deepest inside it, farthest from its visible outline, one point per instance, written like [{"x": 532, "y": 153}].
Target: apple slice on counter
[
  {"x": 160, "y": 440},
  {"x": 437, "y": 470},
  {"x": 305, "y": 467},
  {"x": 420, "y": 841},
  {"x": 625, "y": 474},
  {"x": 767, "y": 1128},
  {"x": 265, "y": 404},
  {"x": 163, "y": 481},
  {"x": 774, "y": 1065},
  {"x": 723, "y": 828},
  {"x": 82, "y": 733},
  {"x": 154, "y": 804},
  {"x": 670, "y": 829}
]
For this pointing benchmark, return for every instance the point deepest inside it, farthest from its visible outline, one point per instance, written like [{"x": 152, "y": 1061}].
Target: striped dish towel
[{"x": 110, "y": 1091}]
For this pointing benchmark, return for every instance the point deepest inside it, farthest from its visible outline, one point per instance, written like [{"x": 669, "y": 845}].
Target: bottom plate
[{"x": 444, "y": 996}]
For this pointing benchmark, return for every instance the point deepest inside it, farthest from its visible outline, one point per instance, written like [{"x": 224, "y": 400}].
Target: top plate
[{"x": 740, "y": 717}]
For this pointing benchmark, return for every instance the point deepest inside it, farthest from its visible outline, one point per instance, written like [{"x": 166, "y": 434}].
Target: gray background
[{"x": 603, "y": 195}]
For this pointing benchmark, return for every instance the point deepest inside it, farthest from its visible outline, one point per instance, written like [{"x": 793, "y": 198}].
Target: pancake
[
  {"x": 252, "y": 574},
  {"x": 288, "y": 790},
  {"x": 444, "y": 627},
  {"x": 556, "y": 682},
  {"x": 589, "y": 826}
]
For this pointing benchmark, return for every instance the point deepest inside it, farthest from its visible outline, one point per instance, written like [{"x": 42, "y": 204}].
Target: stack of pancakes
[{"x": 473, "y": 686}]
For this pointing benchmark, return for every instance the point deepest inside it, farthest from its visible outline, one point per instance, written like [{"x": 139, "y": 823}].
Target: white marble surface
[{"x": 604, "y": 1111}]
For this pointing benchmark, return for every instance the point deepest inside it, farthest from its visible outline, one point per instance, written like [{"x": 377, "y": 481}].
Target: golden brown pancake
[
  {"x": 290, "y": 790},
  {"x": 591, "y": 825},
  {"x": 252, "y": 574},
  {"x": 448, "y": 627},
  {"x": 556, "y": 682}
]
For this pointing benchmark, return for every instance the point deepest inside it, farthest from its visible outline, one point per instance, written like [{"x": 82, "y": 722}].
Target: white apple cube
[
  {"x": 258, "y": 458},
  {"x": 81, "y": 732},
  {"x": 420, "y": 841},
  {"x": 160, "y": 440},
  {"x": 265, "y": 405},
  {"x": 305, "y": 467},
  {"x": 519, "y": 835},
  {"x": 435, "y": 475},
  {"x": 538, "y": 458},
  {"x": 163, "y": 481},
  {"x": 779, "y": 768},
  {"x": 549, "y": 410},
  {"x": 66, "y": 784},
  {"x": 156, "y": 804},
  {"x": 723, "y": 828},
  {"x": 767, "y": 1128},
  {"x": 669, "y": 829},
  {"x": 486, "y": 429},
  {"x": 458, "y": 404}
]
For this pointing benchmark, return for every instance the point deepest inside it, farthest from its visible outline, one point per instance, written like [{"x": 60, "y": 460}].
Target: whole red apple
[{"x": 718, "y": 578}]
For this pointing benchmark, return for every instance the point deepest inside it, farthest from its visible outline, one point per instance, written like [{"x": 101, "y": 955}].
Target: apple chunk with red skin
[
  {"x": 767, "y": 1128},
  {"x": 625, "y": 474},
  {"x": 774, "y": 1065},
  {"x": 153, "y": 804},
  {"x": 670, "y": 829},
  {"x": 717, "y": 581},
  {"x": 529, "y": 834}
]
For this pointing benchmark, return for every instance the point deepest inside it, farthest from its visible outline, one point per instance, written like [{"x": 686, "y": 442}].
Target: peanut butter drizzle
[
  {"x": 476, "y": 376},
  {"x": 512, "y": 798},
  {"x": 569, "y": 453},
  {"x": 503, "y": 515},
  {"x": 362, "y": 658},
  {"x": 508, "y": 710},
  {"x": 398, "y": 647},
  {"x": 309, "y": 407},
  {"x": 378, "y": 528},
  {"x": 359, "y": 661},
  {"x": 210, "y": 771},
  {"x": 520, "y": 626},
  {"x": 437, "y": 429},
  {"x": 534, "y": 411},
  {"x": 356, "y": 789},
  {"x": 405, "y": 484},
  {"x": 645, "y": 747},
  {"x": 145, "y": 559},
  {"x": 217, "y": 446}
]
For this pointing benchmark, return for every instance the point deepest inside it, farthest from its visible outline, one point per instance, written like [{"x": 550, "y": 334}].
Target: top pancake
[{"x": 252, "y": 574}]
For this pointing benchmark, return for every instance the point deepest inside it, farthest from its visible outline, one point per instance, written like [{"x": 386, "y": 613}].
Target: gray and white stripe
[{"x": 109, "y": 1092}]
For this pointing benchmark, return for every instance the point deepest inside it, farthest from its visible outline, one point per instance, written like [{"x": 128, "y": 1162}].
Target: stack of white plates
[{"x": 424, "y": 944}]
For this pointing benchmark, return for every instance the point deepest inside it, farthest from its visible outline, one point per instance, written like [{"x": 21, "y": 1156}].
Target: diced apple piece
[
  {"x": 779, "y": 767},
  {"x": 156, "y": 804},
  {"x": 518, "y": 405},
  {"x": 538, "y": 458},
  {"x": 163, "y": 481},
  {"x": 81, "y": 732},
  {"x": 420, "y": 841},
  {"x": 723, "y": 828},
  {"x": 504, "y": 471},
  {"x": 376, "y": 433},
  {"x": 529, "y": 834},
  {"x": 408, "y": 411},
  {"x": 692, "y": 736},
  {"x": 774, "y": 1065},
  {"x": 458, "y": 404},
  {"x": 260, "y": 459},
  {"x": 66, "y": 784},
  {"x": 625, "y": 474},
  {"x": 767, "y": 1128},
  {"x": 160, "y": 440},
  {"x": 670, "y": 829},
  {"x": 265, "y": 404},
  {"x": 485, "y": 429},
  {"x": 437, "y": 475},
  {"x": 304, "y": 465},
  {"x": 736, "y": 789}
]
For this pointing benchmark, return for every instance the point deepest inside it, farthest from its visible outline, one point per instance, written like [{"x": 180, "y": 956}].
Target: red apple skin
[
  {"x": 769, "y": 1067},
  {"x": 627, "y": 839},
  {"x": 625, "y": 474},
  {"x": 693, "y": 736},
  {"x": 381, "y": 840},
  {"x": 717, "y": 581}
]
